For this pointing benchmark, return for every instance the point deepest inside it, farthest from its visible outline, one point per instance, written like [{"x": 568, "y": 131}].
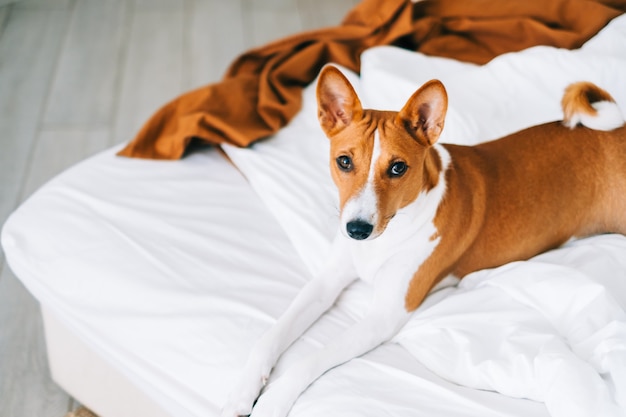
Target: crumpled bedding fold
[{"x": 540, "y": 329}]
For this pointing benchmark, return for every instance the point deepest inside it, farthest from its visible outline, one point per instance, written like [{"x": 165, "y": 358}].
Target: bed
[{"x": 155, "y": 277}]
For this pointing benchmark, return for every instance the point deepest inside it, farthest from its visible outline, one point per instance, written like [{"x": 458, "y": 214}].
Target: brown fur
[{"x": 519, "y": 196}]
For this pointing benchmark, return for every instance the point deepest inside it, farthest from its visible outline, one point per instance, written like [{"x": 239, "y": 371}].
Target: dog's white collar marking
[
  {"x": 410, "y": 237},
  {"x": 364, "y": 206}
]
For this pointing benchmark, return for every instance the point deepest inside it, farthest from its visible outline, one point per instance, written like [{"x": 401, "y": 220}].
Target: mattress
[{"x": 167, "y": 271}]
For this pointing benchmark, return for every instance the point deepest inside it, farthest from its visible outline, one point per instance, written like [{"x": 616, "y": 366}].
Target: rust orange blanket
[{"x": 261, "y": 90}]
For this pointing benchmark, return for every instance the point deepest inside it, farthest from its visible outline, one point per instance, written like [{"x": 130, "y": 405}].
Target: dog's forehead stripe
[
  {"x": 363, "y": 205},
  {"x": 375, "y": 156},
  {"x": 367, "y": 198}
]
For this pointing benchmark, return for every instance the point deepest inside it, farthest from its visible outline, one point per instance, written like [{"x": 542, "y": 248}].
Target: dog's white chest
[{"x": 397, "y": 253}]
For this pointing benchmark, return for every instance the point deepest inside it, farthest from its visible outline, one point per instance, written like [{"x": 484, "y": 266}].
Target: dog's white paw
[
  {"x": 246, "y": 390},
  {"x": 277, "y": 399},
  {"x": 234, "y": 409},
  {"x": 243, "y": 396}
]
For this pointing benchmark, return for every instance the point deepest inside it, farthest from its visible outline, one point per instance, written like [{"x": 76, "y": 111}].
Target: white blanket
[
  {"x": 549, "y": 329},
  {"x": 552, "y": 329}
]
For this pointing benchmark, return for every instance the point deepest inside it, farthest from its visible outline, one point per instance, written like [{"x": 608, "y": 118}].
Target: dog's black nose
[{"x": 359, "y": 230}]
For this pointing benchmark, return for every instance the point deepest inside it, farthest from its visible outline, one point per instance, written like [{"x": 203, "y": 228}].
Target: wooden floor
[{"x": 76, "y": 77}]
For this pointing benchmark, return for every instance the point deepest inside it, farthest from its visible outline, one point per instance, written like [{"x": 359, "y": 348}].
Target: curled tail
[{"x": 587, "y": 104}]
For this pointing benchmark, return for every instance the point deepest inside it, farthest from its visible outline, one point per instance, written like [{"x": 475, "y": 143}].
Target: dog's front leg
[
  {"x": 312, "y": 301},
  {"x": 385, "y": 318}
]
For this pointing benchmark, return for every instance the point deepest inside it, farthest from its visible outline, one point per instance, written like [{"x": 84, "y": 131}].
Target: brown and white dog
[{"x": 414, "y": 211}]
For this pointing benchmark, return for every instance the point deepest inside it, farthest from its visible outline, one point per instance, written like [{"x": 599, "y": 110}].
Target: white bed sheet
[
  {"x": 167, "y": 269},
  {"x": 170, "y": 269}
]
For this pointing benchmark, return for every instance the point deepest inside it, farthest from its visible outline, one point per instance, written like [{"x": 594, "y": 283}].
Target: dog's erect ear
[
  {"x": 424, "y": 113},
  {"x": 337, "y": 102}
]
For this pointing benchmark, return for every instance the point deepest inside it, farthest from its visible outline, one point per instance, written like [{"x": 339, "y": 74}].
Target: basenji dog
[{"x": 413, "y": 211}]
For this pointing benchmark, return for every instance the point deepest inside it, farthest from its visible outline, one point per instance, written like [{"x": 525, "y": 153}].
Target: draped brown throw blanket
[{"x": 261, "y": 91}]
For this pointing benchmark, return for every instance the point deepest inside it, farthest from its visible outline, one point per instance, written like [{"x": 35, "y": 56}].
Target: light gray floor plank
[
  {"x": 26, "y": 388},
  {"x": 85, "y": 85},
  {"x": 269, "y": 20},
  {"x": 216, "y": 37},
  {"x": 44, "y": 4},
  {"x": 316, "y": 14},
  {"x": 28, "y": 53},
  {"x": 160, "y": 4},
  {"x": 4, "y": 16},
  {"x": 153, "y": 69}
]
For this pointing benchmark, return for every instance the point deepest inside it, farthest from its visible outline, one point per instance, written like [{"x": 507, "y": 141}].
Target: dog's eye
[
  {"x": 344, "y": 163},
  {"x": 397, "y": 169}
]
